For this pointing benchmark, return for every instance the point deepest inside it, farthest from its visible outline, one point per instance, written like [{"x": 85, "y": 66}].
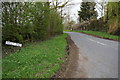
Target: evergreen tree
[{"x": 87, "y": 11}]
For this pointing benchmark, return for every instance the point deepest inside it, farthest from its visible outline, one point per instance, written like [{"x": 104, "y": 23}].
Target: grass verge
[
  {"x": 38, "y": 60},
  {"x": 99, "y": 34}
]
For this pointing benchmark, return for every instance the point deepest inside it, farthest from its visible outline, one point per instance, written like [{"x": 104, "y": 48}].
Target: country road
[{"x": 98, "y": 58}]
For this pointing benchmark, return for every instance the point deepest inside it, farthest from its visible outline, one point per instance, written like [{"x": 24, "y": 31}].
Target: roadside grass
[
  {"x": 100, "y": 34},
  {"x": 38, "y": 60}
]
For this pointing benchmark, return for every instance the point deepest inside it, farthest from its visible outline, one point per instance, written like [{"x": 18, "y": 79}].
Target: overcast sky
[{"x": 73, "y": 9}]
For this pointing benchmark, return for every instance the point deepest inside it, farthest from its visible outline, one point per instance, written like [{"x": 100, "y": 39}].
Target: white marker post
[{"x": 13, "y": 43}]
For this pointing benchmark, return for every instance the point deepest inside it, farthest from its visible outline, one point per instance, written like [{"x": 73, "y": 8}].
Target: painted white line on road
[
  {"x": 101, "y": 43},
  {"x": 96, "y": 41},
  {"x": 91, "y": 39}
]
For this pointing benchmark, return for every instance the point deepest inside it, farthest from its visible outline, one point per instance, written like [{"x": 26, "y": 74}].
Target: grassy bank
[
  {"x": 100, "y": 34},
  {"x": 38, "y": 60}
]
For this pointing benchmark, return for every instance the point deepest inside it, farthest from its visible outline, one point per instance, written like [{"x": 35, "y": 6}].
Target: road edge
[{"x": 67, "y": 69}]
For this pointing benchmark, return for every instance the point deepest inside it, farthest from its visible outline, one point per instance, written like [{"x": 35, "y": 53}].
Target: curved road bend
[{"x": 98, "y": 58}]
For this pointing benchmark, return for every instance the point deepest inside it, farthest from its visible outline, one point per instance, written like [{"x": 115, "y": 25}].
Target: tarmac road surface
[{"x": 98, "y": 58}]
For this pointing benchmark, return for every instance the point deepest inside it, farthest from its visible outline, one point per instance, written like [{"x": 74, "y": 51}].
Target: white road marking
[
  {"x": 96, "y": 41},
  {"x": 101, "y": 43}
]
